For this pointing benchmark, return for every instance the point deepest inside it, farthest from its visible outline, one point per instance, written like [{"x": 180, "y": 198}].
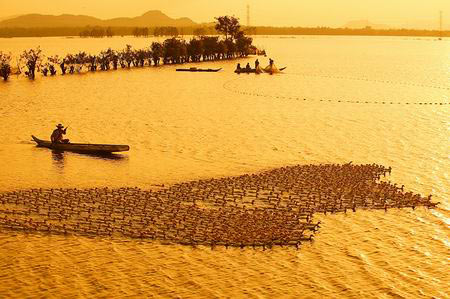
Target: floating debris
[{"x": 271, "y": 208}]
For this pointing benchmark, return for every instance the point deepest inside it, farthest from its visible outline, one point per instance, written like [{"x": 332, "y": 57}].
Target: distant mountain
[
  {"x": 8, "y": 17},
  {"x": 359, "y": 24},
  {"x": 149, "y": 19},
  {"x": 48, "y": 21}
]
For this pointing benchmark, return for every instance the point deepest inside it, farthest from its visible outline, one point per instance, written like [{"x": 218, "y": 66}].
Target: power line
[{"x": 248, "y": 15}]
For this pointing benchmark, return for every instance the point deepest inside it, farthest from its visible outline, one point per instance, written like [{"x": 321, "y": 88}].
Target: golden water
[{"x": 184, "y": 126}]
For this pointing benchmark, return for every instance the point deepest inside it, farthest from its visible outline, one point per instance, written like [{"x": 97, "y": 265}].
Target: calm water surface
[{"x": 367, "y": 100}]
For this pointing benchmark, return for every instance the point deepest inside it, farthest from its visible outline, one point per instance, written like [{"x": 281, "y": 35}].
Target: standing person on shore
[
  {"x": 57, "y": 135},
  {"x": 256, "y": 63}
]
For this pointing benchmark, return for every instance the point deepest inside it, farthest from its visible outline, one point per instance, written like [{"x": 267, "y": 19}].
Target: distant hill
[
  {"x": 8, "y": 17},
  {"x": 149, "y": 19},
  {"x": 360, "y": 24}
]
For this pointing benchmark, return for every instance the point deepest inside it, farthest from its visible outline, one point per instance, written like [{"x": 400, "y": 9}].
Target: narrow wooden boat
[
  {"x": 194, "y": 69},
  {"x": 82, "y": 147},
  {"x": 245, "y": 71},
  {"x": 259, "y": 70}
]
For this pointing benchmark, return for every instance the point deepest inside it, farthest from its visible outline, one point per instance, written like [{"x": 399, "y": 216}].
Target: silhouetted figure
[
  {"x": 248, "y": 67},
  {"x": 271, "y": 62},
  {"x": 238, "y": 67},
  {"x": 256, "y": 63},
  {"x": 57, "y": 135}
]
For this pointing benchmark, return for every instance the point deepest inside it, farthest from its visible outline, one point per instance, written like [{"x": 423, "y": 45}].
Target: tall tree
[
  {"x": 243, "y": 44},
  {"x": 228, "y": 26},
  {"x": 195, "y": 49},
  {"x": 157, "y": 52}
]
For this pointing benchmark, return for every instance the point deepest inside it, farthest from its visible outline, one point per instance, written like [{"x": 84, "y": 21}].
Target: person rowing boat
[{"x": 57, "y": 135}]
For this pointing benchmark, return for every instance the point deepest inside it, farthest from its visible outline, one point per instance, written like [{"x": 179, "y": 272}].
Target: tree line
[
  {"x": 172, "y": 51},
  {"x": 98, "y": 31},
  {"x": 209, "y": 30},
  {"x": 367, "y": 31}
]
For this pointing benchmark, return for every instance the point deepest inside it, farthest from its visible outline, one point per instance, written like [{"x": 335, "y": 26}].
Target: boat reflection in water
[
  {"x": 59, "y": 156},
  {"x": 58, "y": 160}
]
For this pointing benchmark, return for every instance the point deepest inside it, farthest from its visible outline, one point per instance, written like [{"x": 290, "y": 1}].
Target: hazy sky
[{"x": 263, "y": 12}]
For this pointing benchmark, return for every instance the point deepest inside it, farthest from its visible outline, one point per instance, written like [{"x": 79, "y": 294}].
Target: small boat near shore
[
  {"x": 82, "y": 147},
  {"x": 194, "y": 69},
  {"x": 245, "y": 71},
  {"x": 259, "y": 70}
]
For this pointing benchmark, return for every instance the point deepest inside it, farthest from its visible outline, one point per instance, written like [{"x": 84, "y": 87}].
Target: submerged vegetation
[
  {"x": 33, "y": 59},
  {"x": 173, "y": 50},
  {"x": 5, "y": 67}
]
